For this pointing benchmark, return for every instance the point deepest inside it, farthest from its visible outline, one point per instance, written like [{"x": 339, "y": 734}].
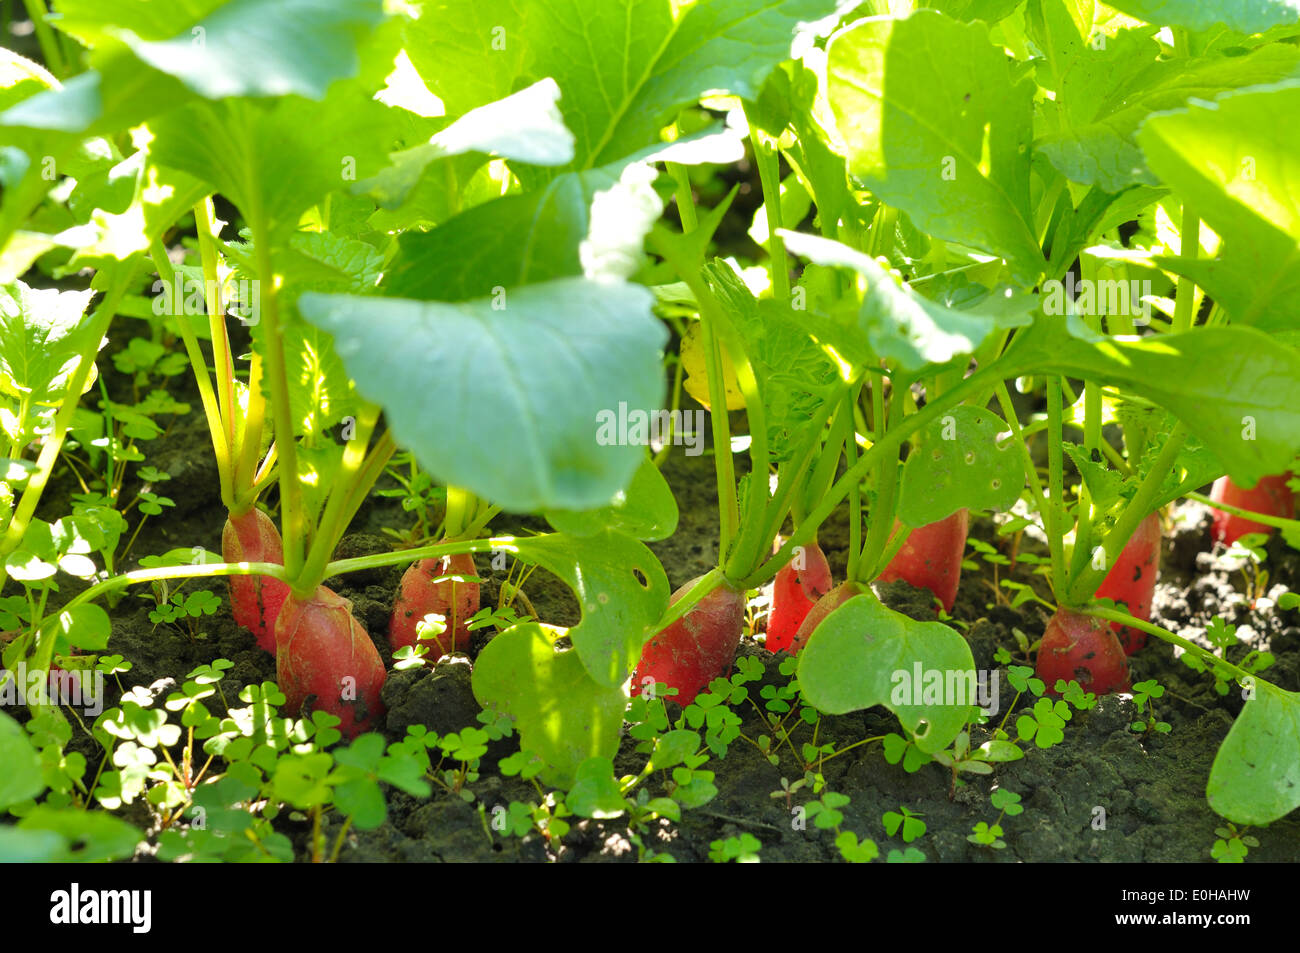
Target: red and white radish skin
[
  {"x": 931, "y": 557},
  {"x": 824, "y": 607},
  {"x": 1132, "y": 581},
  {"x": 697, "y": 648},
  {"x": 1083, "y": 649},
  {"x": 255, "y": 601},
  {"x": 325, "y": 661},
  {"x": 1270, "y": 496},
  {"x": 795, "y": 590},
  {"x": 423, "y": 591}
]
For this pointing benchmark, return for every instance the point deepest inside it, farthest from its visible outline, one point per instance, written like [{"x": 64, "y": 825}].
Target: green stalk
[
  {"x": 356, "y": 475},
  {"x": 197, "y": 362},
  {"x": 1084, "y": 584},
  {"x": 50, "y": 48},
  {"x": 685, "y": 198},
  {"x": 221, "y": 359},
  {"x": 1268, "y": 519},
  {"x": 1214, "y": 661},
  {"x": 250, "y": 435},
  {"x": 53, "y": 445},
  {"x": 769, "y": 174},
  {"x": 795, "y": 479},
  {"x": 855, "y": 491},
  {"x": 1027, "y": 459},
  {"x": 881, "y": 517},
  {"x": 1091, "y": 438},
  {"x": 1056, "y": 486},
  {"x": 293, "y": 511},
  {"x": 877, "y": 453},
  {"x": 1189, "y": 244}
]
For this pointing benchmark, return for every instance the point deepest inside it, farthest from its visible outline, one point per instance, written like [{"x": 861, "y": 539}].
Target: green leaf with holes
[
  {"x": 560, "y": 711},
  {"x": 620, "y": 587},
  {"x": 959, "y": 465},
  {"x": 864, "y": 654}
]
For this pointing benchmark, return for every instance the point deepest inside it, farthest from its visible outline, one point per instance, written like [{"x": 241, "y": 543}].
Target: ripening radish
[
  {"x": 425, "y": 590},
  {"x": 795, "y": 590},
  {"x": 255, "y": 601},
  {"x": 824, "y": 607},
  {"x": 1132, "y": 580},
  {"x": 931, "y": 558},
  {"x": 697, "y": 648},
  {"x": 326, "y": 662},
  {"x": 1084, "y": 649},
  {"x": 1270, "y": 496}
]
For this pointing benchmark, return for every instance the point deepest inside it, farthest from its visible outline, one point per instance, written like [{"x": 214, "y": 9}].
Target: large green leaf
[
  {"x": 94, "y": 22},
  {"x": 646, "y": 510},
  {"x": 1256, "y": 774},
  {"x": 1106, "y": 93},
  {"x": 936, "y": 125},
  {"x": 41, "y": 339},
  {"x": 528, "y": 374},
  {"x": 957, "y": 465},
  {"x": 525, "y": 126},
  {"x": 560, "y": 711},
  {"x": 623, "y": 66},
  {"x": 590, "y": 222},
  {"x": 620, "y": 587},
  {"x": 896, "y": 322},
  {"x": 864, "y": 654},
  {"x": 1235, "y": 388},
  {"x": 1238, "y": 165},
  {"x": 277, "y": 159},
  {"x": 1244, "y": 16},
  {"x": 256, "y": 48},
  {"x": 21, "y": 777}
]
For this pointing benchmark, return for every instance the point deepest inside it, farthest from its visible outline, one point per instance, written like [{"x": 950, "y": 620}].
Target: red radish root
[
  {"x": 1132, "y": 581},
  {"x": 423, "y": 592},
  {"x": 1084, "y": 649},
  {"x": 931, "y": 558},
  {"x": 1270, "y": 496},
  {"x": 697, "y": 648},
  {"x": 326, "y": 662},
  {"x": 255, "y": 601},
  {"x": 824, "y": 607},
  {"x": 795, "y": 590}
]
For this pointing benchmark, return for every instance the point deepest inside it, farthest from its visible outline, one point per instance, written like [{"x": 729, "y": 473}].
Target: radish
[
  {"x": 424, "y": 591},
  {"x": 255, "y": 601},
  {"x": 326, "y": 662},
  {"x": 795, "y": 590},
  {"x": 697, "y": 648},
  {"x": 1084, "y": 649},
  {"x": 1270, "y": 496},
  {"x": 1132, "y": 581},
  {"x": 824, "y": 607},
  {"x": 931, "y": 558}
]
